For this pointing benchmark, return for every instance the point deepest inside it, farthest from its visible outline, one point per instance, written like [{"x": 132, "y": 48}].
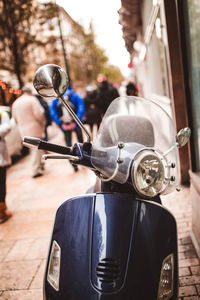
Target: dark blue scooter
[{"x": 117, "y": 242}]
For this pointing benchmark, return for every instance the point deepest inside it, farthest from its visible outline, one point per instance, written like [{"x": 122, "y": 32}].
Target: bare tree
[
  {"x": 20, "y": 22},
  {"x": 88, "y": 59}
]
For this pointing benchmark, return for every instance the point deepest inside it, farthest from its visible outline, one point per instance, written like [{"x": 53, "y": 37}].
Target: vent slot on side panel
[{"x": 108, "y": 270}]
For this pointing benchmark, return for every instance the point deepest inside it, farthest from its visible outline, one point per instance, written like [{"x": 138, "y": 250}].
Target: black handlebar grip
[{"x": 54, "y": 148}]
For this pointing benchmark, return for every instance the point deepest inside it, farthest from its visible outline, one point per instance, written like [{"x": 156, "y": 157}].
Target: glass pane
[{"x": 194, "y": 30}]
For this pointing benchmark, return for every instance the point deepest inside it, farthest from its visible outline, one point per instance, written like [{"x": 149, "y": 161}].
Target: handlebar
[{"x": 40, "y": 144}]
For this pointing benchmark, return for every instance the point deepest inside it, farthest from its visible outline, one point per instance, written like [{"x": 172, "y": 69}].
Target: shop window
[{"x": 194, "y": 60}]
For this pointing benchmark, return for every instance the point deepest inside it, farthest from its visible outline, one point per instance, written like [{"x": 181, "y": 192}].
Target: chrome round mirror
[
  {"x": 51, "y": 81},
  {"x": 183, "y": 136}
]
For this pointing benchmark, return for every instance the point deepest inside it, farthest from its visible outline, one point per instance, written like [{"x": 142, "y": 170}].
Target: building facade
[{"x": 164, "y": 46}]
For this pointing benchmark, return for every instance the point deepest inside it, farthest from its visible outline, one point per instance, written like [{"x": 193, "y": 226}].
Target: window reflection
[{"x": 194, "y": 31}]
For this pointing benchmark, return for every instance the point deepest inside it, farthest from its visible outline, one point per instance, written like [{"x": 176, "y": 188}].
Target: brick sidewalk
[
  {"x": 24, "y": 238},
  {"x": 189, "y": 264}
]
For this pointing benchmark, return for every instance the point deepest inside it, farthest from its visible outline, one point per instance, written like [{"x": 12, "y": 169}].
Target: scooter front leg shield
[{"x": 112, "y": 247}]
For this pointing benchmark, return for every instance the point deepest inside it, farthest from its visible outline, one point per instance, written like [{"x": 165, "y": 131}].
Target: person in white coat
[
  {"x": 5, "y": 160},
  {"x": 30, "y": 119}
]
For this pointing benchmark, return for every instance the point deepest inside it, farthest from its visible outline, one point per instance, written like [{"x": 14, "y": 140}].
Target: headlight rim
[{"x": 137, "y": 160}]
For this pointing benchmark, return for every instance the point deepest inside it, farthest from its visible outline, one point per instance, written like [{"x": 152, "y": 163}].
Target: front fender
[{"x": 112, "y": 247}]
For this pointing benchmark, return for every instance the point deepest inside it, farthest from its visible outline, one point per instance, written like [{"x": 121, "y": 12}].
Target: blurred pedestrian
[
  {"x": 106, "y": 93},
  {"x": 64, "y": 120},
  {"x": 5, "y": 160},
  {"x": 131, "y": 89},
  {"x": 92, "y": 108},
  {"x": 29, "y": 116},
  {"x": 46, "y": 114}
]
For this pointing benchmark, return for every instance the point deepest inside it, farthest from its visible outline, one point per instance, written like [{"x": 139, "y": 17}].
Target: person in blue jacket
[{"x": 63, "y": 119}]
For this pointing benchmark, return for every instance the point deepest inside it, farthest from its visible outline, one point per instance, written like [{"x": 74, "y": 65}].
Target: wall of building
[
  {"x": 152, "y": 73},
  {"x": 189, "y": 16},
  {"x": 169, "y": 74}
]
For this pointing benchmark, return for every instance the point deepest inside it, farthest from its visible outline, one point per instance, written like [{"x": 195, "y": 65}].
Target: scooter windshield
[{"x": 139, "y": 124}]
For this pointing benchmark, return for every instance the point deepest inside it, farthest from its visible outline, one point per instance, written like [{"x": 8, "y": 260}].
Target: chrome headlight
[{"x": 148, "y": 173}]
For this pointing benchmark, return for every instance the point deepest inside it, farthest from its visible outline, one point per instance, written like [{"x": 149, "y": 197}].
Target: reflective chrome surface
[
  {"x": 183, "y": 136},
  {"x": 51, "y": 81},
  {"x": 148, "y": 174}
]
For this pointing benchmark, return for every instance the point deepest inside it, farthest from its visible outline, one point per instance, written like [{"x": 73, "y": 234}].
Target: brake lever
[{"x": 63, "y": 156}]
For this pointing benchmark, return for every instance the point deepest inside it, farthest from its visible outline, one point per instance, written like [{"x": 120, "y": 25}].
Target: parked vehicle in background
[{"x": 13, "y": 139}]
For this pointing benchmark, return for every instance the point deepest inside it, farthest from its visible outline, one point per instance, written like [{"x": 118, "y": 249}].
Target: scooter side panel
[
  {"x": 154, "y": 239},
  {"x": 73, "y": 233},
  {"x": 112, "y": 247}
]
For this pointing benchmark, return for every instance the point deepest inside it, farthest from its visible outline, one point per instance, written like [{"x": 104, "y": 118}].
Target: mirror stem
[
  {"x": 170, "y": 149},
  {"x": 74, "y": 116}
]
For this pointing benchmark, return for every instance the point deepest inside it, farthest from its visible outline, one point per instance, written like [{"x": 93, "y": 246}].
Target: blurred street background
[{"x": 152, "y": 46}]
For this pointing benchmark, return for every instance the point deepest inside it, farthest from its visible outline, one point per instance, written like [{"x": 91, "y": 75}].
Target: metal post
[{"x": 67, "y": 68}]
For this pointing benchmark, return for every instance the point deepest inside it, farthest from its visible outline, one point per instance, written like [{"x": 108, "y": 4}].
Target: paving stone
[
  {"x": 25, "y": 231},
  {"x": 181, "y": 255},
  {"x": 183, "y": 229},
  {"x": 183, "y": 224},
  {"x": 186, "y": 240},
  {"x": 198, "y": 289},
  {"x": 184, "y": 248},
  {"x": 37, "y": 282},
  {"x": 188, "y": 262},
  {"x": 195, "y": 270},
  {"x": 19, "y": 250},
  {"x": 38, "y": 250},
  {"x": 191, "y": 298},
  {"x": 187, "y": 254},
  {"x": 187, "y": 291},
  {"x": 28, "y": 216},
  {"x": 184, "y": 272},
  {"x": 189, "y": 280},
  {"x": 22, "y": 295},
  {"x": 17, "y": 275},
  {"x": 5, "y": 247}
]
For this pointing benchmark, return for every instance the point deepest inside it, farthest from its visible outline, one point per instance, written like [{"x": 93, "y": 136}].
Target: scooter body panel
[{"x": 112, "y": 248}]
